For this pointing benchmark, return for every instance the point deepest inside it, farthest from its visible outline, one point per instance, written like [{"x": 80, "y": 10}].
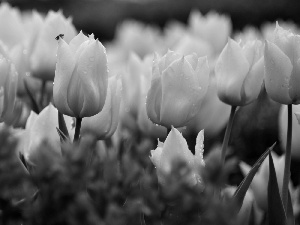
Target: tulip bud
[
  {"x": 282, "y": 67},
  {"x": 212, "y": 28},
  {"x": 39, "y": 129},
  {"x": 295, "y": 131},
  {"x": 178, "y": 87},
  {"x": 12, "y": 29},
  {"x": 240, "y": 72},
  {"x": 104, "y": 124},
  {"x": 8, "y": 87},
  {"x": 175, "y": 148},
  {"x": 19, "y": 56},
  {"x": 80, "y": 82},
  {"x": 43, "y": 57},
  {"x": 213, "y": 115}
]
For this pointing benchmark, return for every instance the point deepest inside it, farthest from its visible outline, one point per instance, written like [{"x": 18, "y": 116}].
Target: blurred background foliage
[{"x": 101, "y": 17}]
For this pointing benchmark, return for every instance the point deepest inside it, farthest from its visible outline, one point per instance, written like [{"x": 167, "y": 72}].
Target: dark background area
[{"x": 102, "y": 16}]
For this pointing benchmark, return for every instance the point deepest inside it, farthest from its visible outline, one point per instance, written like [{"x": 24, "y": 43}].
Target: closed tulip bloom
[
  {"x": 43, "y": 55},
  {"x": 240, "y": 73},
  {"x": 11, "y": 26},
  {"x": 104, "y": 124},
  {"x": 175, "y": 148},
  {"x": 80, "y": 83},
  {"x": 282, "y": 69},
  {"x": 8, "y": 87},
  {"x": 212, "y": 28},
  {"x": 178, "y": 87},
  {"x": 40, "y": 128}
]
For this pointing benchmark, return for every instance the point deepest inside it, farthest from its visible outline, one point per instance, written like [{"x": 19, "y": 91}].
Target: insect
[{"x": 59, "y": 36}]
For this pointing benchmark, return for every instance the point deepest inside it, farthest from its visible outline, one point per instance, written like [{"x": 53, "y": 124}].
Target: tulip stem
[
  {"x": 227, "y": 134},
  {"x": 77, "y": 129},
  {"x": 287, "y": 172}
]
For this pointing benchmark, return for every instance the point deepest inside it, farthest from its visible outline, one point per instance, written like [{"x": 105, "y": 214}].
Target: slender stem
[
  {"x": 287, "y": 166},
  {"x": 77, "y": 129},
  {"x": 227, "y": 134}
]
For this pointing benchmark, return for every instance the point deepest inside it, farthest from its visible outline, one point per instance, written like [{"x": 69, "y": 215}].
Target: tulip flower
[
  {"x": 137, "y": 37},
  {"x": 175, "y": 148},
  {"x": 104, "y": 124},
  {"x": 43, "y": 56},
  {"x": 295, "y": 131},
  {"x": 39, "y": 129},
  {"x": 19, "y": 56},
  {"x": 282, "y": 67},
  {"x": 240, "y": 73},
  {"x": 11, "y": 26},
  {"x": 80, "y": 83},
  {"x": 8, "y": 87},
  {"x": 213, "y": 115},
  {"x": 212, "y": 28},
  {"x": 178, "y": 87},
  {"x": 134, "y": 114}
]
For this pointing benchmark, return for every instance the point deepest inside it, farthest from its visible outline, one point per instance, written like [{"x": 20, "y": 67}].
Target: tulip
[
  {"x": 134, "y": 114},
  {"x": 282, "y": 67},
  {"x": 104, "y": 124},
  {"x": 212, "y": 28},
  {"x": 213, "y": 115},
  {"x": 137, "y": 37},
  {"x": 43, "y": 57},
  {"x": 8, "y": 87},
  {"x": 189, "y": 44},
  {"x": 11, "y": 26},
  {"x": 39, "y": 129},
  {"x": 239, "y": 72},
  {"x": 19, "y": 56},
  {"x": 80, "y": 83},
  {"x": 175, "y": 148},
  {"x": 178, "y": 87},
  {"x": 295, "y": 131}
]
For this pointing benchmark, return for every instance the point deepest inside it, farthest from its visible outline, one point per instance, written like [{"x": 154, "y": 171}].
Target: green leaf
[
  {"x": 276, "y": 213},
  {"x": 240, "y": 192},
  {"x": 62, "y": 136},
  {"x": 62, "y": 125}
]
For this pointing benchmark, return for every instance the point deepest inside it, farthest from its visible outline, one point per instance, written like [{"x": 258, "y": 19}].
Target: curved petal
[
  {"x": 231, "y": 69},
  {"x": 43, "y": 129},
  {"x": 77, "y": 41},
  {"x": 278, "y": 69},
  {"x": 175, "y": 147},
  {"x": 153, "y": 102},
  {"x": 294, "y": 83},
  {"x": 104, "y": 124},
  {"x": 88, "y": 87},
  {"x": 63, "y": 73},
  {"x": 181, "y": 94},
  {"x": 253, "y": 83}
]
